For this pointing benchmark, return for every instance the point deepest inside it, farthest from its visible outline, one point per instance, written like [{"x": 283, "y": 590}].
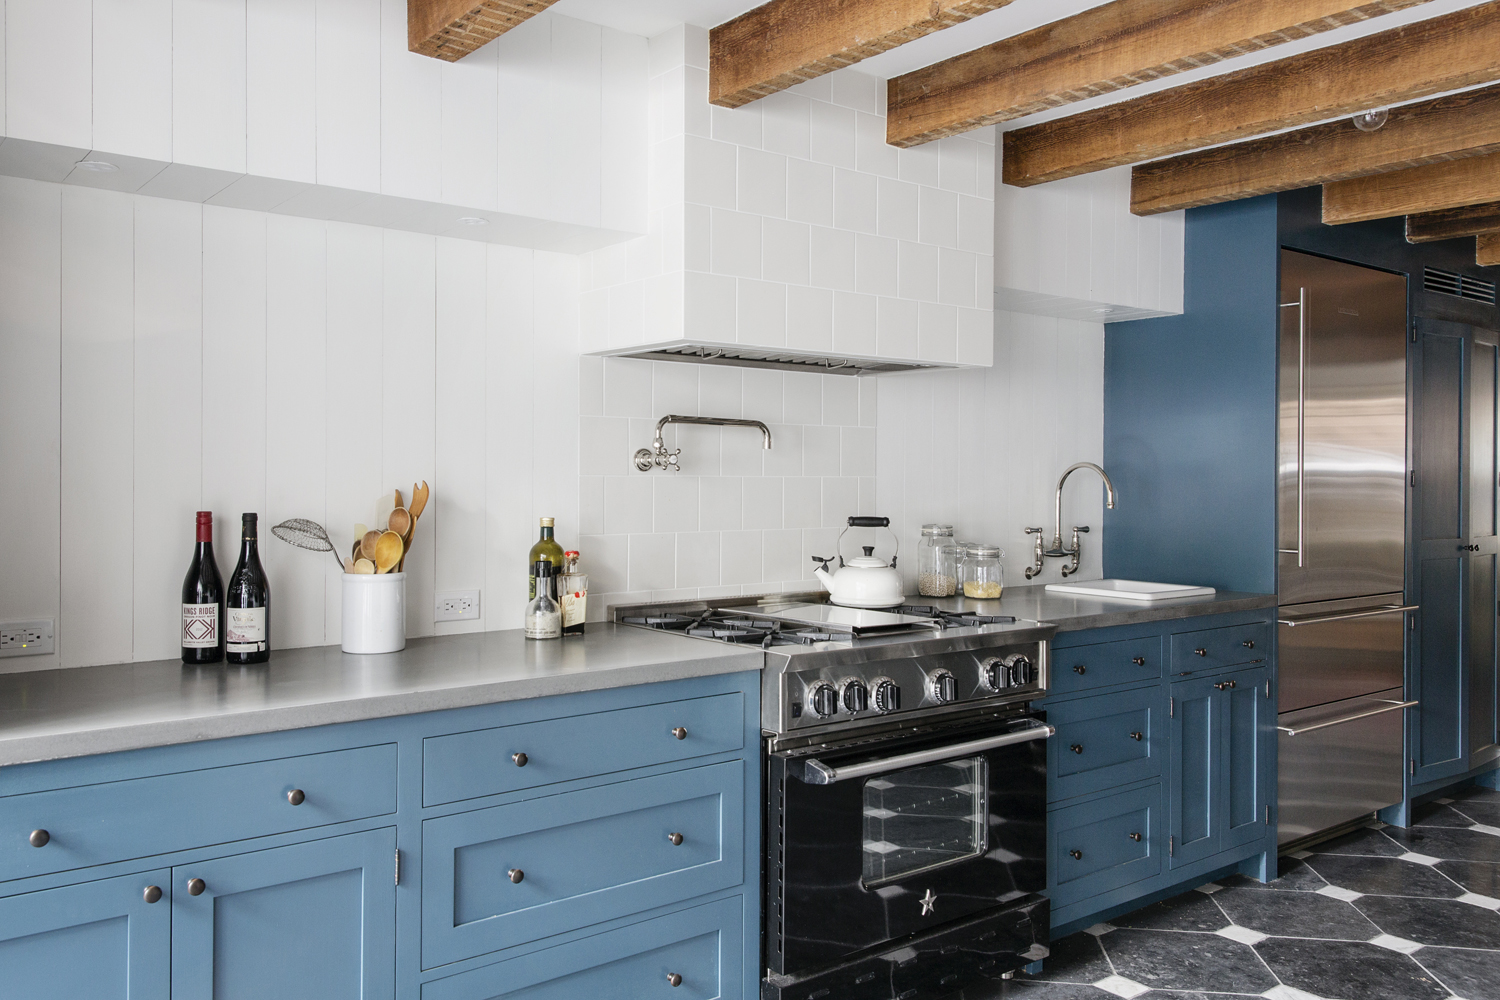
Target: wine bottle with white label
[
  {"x": 247, "y": 605},
  {"x": 203, "y": 600}
]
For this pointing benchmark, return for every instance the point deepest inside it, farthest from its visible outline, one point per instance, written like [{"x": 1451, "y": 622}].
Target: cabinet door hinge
[
  {"x": 1268, "y": 815},
  {"x": 1413, "y": 478},
  {"x": 1172, "y": 845},
  {"x": 1171, "y": 708},
  {"x": 1268, "y": 687},
  {"x": 398, "y": 867},
  {"x": 1413, "y": 765}
]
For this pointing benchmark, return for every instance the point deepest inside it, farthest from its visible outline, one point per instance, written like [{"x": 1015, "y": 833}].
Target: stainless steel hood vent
[
  {"x": 708, "y": 354},
  {"x": 1453, "y": 283}
]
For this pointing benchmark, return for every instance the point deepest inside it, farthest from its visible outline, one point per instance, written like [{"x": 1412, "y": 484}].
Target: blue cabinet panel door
[
  {"x": 1194, "y": 789},
  {"x": 96, "y": 941},
  {"x": 314, "y": 921}
]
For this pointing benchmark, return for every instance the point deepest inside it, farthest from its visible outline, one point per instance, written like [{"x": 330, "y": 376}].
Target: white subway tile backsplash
[
  {"x": 719, "y": 390},
  {"x": 869, "y": 401},
  {"x": 607, "y": 560},
  {"x": 832, "y": 140},
  {"x": 740, "y": 557},
  {"x": 840, "y": 500},
  {"x": 875, "y": 264},
  {"x": 590, "y": 505},
  {"x": 854, "y": 324},
  {"x": 785, "y": 456},
  {"x": 674, "y": 388},
  {"x": 653, "y": 562},
  {"x": 629, "y": 504},
  {"x": 698, "y": 558},
  {"x": 841, "y": 400},
  {"x": 939, "y": 213},
  {"x": 803, "y": 400},
  {"x": 781, "y": 556},
  {"x": 858, "y": 451},
  {"x": 957, "y": 272},
  {"x": 627, "y": 387},
  {"x": 833, "y": 259},
  {"x": 787, "y": 249},
  {"x": 919, "y": 272},
  {"x": 809, "y": 192},
  {"x": 762, "y": 183},
  {"x": 820, "y": 451},
  {"x": 762, "y": 315},
  {"x": 721, "y": 500},
  {"x": 712, "y": 174},
  {"x": 591, "y": 387},
  {"x": 784, "y": 124},
  {"x": 854, "y": 202},
  {"x": 762, "y": 395},
  {"x": 803, "y": 502},
  {"x": 897, "y": 209},
  {"x": 676, "y": 502},
  {"x": 763, "y": 497},
  {"x": 736, "y": 243},
  {"x": 809, "y": 318},
  {"x": 896, "y": 328}
]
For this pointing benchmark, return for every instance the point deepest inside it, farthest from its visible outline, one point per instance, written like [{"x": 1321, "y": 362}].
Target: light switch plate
[
  {"x": 26, "y": 638},
  {"x": 456, "y": 606}
]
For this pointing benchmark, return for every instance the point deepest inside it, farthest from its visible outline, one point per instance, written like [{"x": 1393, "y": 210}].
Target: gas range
[{"x": 830, "y": 669}]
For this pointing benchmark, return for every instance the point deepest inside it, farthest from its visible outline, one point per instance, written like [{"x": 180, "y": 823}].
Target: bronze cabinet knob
[
  {"x": 520, "y": 759},
  {"x": 1080, "y": 669},
  {"x": 1135, "y": 837},
  {"x": 39, "y": 838},
  {"x": 1139, "y": 661},
  {"x": 1201, "y": 652},
  {"x": 1077, "y": 855},
  {"x": 1076, "y": 748},
  {"x": 196, "y": 886},
  {"x": 1248, "y": 644},
  {"x": 516, "y": 875},
  {"x": 152, "y": 894},
  {"x": 680, "y": 733},
  {"x": 675, "y": 838},
  {"x": 1137, "y": 736},
  {"x": 296, "y": 796},
  {"x": 674, "y": 979}
]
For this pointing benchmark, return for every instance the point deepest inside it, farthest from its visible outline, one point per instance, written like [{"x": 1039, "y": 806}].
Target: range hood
[{"x": 794, "y": 361}]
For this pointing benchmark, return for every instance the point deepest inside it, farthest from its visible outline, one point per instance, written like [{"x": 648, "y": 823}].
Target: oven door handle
[{"x": 815, "y": 772}]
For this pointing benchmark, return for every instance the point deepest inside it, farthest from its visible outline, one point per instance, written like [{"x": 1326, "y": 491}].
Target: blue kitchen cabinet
[
  {"x": 311, "y": 921},
  {"x": 101, "y": 940}
]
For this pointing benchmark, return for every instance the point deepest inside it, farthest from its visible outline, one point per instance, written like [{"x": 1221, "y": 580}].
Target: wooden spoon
[
  {"x": 419, "y": 496},
  {"x": 349, "y": 566},
  {"x": 367, "y": 545},
  {"x": 400, "y": 522},
  {"x": 388, "y": 552},
  {"x": 364, "y": 567}
]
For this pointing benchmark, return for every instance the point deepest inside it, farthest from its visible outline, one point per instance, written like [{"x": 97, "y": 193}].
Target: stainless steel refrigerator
[{"x": 1341, "y": 490}]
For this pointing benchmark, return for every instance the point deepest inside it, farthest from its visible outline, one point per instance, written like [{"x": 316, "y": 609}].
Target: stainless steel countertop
[
  {"x": 1074, "y": 614},
  {"x": 50, "y": 714}
]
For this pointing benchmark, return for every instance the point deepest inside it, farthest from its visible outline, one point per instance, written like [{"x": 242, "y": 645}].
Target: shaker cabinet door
[
  {"x": 313, "y": 921},
  {"x": 100, "y": 940},
  {"x": 1194, "y": 791},
  {"x": 1249, "y": 733}
]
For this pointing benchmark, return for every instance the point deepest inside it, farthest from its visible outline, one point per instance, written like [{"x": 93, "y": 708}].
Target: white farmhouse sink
[{"x": 1130, "y": 590}]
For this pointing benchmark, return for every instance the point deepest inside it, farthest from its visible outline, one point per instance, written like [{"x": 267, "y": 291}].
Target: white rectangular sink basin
[{"x": 1131, "y": 590}]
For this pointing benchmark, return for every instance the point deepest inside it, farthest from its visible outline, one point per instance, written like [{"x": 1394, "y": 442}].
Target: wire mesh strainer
[{"x": 305, "y": 534}]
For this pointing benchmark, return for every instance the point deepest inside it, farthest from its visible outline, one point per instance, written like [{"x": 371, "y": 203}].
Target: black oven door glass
[{"x": 924, "y": 818}]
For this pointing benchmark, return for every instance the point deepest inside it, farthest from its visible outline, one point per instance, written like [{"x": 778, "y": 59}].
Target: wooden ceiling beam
[
  {"x": 1449, "y": 52},
  {"x": 1487, "y": 253},
  {"x": 1103, "y": 49},
  {"x": 451, "y": 29},
  {"x": 1432, "y": 188},
  {"x": 1453, "y": 223},
  {"x": 1445, "y": 128},
  {"x": 786, "y": 42}
]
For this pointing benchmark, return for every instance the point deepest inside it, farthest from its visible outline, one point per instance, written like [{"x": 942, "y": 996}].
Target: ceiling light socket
[
  {"x": 96, "y": 166},
  {"x": 473, "y": 220},
  {"x": 1372, "y": 120}
]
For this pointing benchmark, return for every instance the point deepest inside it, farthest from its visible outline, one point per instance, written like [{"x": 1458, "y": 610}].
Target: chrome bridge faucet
[{"x": 1057, "y": 551}]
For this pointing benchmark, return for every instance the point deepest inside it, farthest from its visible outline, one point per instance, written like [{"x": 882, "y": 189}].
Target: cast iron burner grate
[{"x": 953, "y": 619}]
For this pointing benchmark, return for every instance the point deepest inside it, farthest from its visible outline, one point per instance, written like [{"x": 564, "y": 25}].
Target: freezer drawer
[
  {"x": 1339, "y": 649},
  {"x": 1338, "y": 762}
]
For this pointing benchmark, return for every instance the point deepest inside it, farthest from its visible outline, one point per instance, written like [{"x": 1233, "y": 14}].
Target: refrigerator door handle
[
  {"x": 1373, "y": 612},
  {"x": 1390, "y": 707},
  {"x": 1301, "y": 306}
]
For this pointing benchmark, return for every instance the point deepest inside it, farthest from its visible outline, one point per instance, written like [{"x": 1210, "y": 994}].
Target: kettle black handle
[{"x": 869, "y": 522}]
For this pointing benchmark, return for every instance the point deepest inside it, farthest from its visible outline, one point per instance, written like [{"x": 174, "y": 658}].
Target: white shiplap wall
[{"x": 167, "y": 356}]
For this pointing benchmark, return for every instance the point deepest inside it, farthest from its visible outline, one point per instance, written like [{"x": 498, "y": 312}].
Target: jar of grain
[
  {"x": 983, "y": 576},
  {"x": 937, "y": 574}
]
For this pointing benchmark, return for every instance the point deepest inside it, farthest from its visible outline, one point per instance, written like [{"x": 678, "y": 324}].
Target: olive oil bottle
[{"x": 546, "y": 549}]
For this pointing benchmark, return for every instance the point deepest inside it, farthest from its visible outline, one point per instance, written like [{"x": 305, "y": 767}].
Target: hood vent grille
[
  {"x": 1453, "y": 283},
  {"x": 707, "y": 354}
]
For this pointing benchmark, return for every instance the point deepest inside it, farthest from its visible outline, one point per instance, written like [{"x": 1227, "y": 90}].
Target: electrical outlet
[
  {"x": 33, "y": 638},
  {"x": 457, "y": 606}
]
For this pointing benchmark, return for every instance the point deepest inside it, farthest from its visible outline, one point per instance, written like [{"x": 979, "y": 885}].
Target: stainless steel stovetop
[{"x": 830, "y": 669}]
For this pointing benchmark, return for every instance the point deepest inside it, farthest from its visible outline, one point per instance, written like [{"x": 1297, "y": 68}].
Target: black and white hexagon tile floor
[{"x": 1380, "y": 914}]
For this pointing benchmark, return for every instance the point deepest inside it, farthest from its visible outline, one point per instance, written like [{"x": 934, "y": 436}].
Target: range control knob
[
  {"x": 1021, "y": 669},
  {"x": 944, "y": 687},
  {"x": 856, "y": 697},
  {"x": 825, "y": 700},
  {"x": 995, "y": 674},
  {"x": 887, "y": 697}
]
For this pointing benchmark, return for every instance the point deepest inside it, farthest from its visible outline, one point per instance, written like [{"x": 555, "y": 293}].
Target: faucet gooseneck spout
[
  {"x": 1057, "y": 551},
  {"x": 1109, "y": 500}
]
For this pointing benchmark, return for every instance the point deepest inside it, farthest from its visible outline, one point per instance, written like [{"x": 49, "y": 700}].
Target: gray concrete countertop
[
  {"x": 1074, "y": 614},
  {"x": 50, "y": 714}
]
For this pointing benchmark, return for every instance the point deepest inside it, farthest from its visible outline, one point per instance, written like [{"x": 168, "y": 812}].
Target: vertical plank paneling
[
  {"x": 281, "y": 89},
  {"x": 208, "y": 83},
  {"x": 354, "y": 394},
  {"x": 296, "y": 423},
  {"x": 575, "y": 170},
  {"x": 348, "y": 104},
  {"x": 471, "y": 130},
  {"x": 410, "y": 113},
  {"x": 524, "y": 55},
  {"x": 30, "y": 349},
  {"x": 459, "y": 540},
  {"x": 48, "y": 87},
  {"x": 132, "y": 99},
  {"x": 409, "y": 405},
  {"x": 97, "y": 506},
  {"x": 234, "y": 373},
  {"x": 555, "y": 467},
  {"x": 168, "y": 435},
  {"x": 510, "y": 438}
]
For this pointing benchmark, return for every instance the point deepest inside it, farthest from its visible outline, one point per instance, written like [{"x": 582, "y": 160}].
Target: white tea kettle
[{"x": 864, "y": 581}]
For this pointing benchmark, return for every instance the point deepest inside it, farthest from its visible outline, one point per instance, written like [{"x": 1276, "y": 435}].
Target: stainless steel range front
[{"x": 905, "y": 792}]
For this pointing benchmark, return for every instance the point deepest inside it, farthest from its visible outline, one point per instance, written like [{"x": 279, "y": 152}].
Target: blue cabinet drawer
[
  {"x": 502, "y": 876},
  {"x": 139, "y": 817},
  {"x": 1104, "y": 842},
  {"x": 1085, "y": 668},
  {"x": 1215, "y": 648},
  {"x": 1105, "y": 742},
  {"x": 702, "y": 945},
  {"x": 492, "y": 761}
]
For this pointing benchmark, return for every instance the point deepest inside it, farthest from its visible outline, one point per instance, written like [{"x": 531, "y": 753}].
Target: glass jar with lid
[
  {"x": 937, "y": 571},
  {"x": 983, "y": 577}
]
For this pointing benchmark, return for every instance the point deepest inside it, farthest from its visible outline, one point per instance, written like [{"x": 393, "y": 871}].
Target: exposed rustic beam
[
  {"x": 1488, "y": 251},
  {"x": 1445, "y": 128},
  {"x": 451, "y": 29},
  {"x": 782, "y": 43},
  {"x": 1098, "y": 51},
  {"x": 1432, "y": 188},
  {"x": 1453, "y": 223},
  {"x": 1450, "y": 52}
]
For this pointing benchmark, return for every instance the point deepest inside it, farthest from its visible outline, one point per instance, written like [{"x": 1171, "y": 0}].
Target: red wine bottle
[
  {"x": 247, "y": 605},
  {"x": 203, "y": 600}
]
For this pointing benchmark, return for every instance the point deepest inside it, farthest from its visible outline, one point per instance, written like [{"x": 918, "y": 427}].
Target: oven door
[{"x": 872, "y": 841}]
